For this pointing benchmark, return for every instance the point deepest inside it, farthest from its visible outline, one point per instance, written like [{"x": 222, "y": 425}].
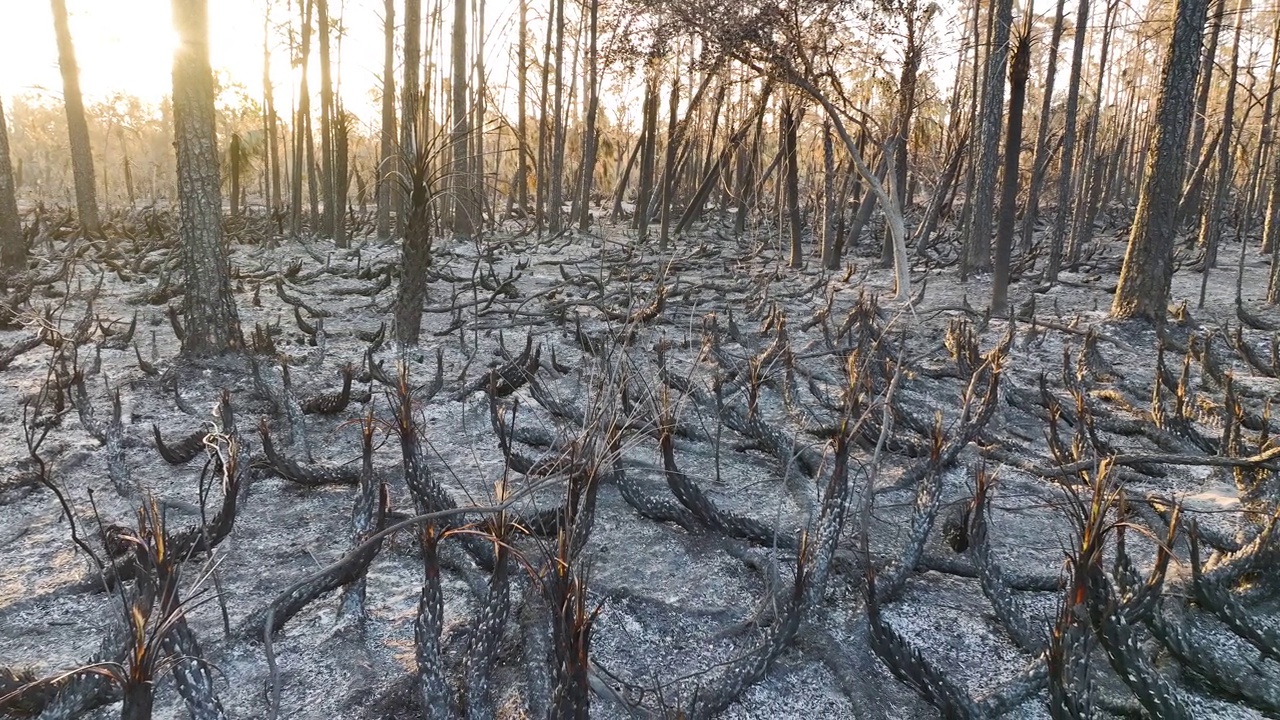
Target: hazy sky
[{"x": 126, "y": 46}]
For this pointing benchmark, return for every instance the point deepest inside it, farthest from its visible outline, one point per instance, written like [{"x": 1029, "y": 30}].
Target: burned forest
[{"x": 884, "y": 359}]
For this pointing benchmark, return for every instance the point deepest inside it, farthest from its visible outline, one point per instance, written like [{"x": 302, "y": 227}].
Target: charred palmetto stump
[
  {"x": 508, "y": 377},
  {"x": 486, "y": 631},
  {"x": 1006, "y": 606},
  {"x": 331, "y": 403},
  {"x": 312, "y": 475},
  {"x": 181, "y": 452},
  {"x": 705, "y": 510},
  {"x": 364, "y": 522},
  {"x": 432, "y": 689}
]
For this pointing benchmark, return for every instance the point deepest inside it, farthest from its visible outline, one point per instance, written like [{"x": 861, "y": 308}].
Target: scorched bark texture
[{"x": 212, "y": 325}]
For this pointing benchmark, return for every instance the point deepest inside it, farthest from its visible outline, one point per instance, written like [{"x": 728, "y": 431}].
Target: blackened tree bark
[
  {"x": 1148, "y": 264},
  {"x": 916, "y": 24},
  {"x": 1211, "y": 222},
  {"x": 386, "y": 150},
  {"x": 1065, "y": 176},
  {"x": 465, "y": 209},
  {"x": 978, "y": 247},
  {"x": 271, "y": 128},
  {"x": 1041, "y": 161},
  {"x": 410, "y": 90},
  {"x": 589, "y": 140},
  {"x": 1019, "y": 70},
  {"x": 416, "y": 254},
  {"x": 77, "y": 127},
  {"x": 332, "y": 208},
  {"x": 13, "y": 253},
  {"x": 791, "y": 179},
  {"x": 212, "y": 325}
]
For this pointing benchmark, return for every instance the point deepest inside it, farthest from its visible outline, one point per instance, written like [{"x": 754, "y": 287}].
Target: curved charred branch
[
  {"x": 910, "y": 666},
  {"x": 293, "y": 599},
  {"x": 646, "y": 313},
  {"x": 659, "y": 509},
  {"x": 181, "y": 452},
  {"x": 1017, "y": 691},
  {"x": 179, "y": 332},
  {"x": 705, "y": 510},
  {"x": 1227, "y": 568},
  {"x": 306, "y": 327},
  {"x": 432, "y": 689},
  {"x": 309, "y": 475},
  {"x": 331, "y": 403},
  {"x": 364, "y": 523},
  {"x": 193, "y": 541},
  {"x": 777, "y": 442},
  {"x": 972, "y": 421},
  {"x": 14, "y": 351},
  {"x": 508, "y": 377},
  {"x": 298, "y": 302}
]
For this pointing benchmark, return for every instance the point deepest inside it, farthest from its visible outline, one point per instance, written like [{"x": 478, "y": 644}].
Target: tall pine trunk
[
  {"x": 1019, "y": 70},
  {"x": 13, "y": 252},
  {"x": 1143, "y": 291},
  {"x": 212, "y": 324},
  {"x": 77, "y": 126},
  {"x": 978, "y": 246},
  {"x": 1067, "y": 165},
  {"x": 386, "y": 148}
]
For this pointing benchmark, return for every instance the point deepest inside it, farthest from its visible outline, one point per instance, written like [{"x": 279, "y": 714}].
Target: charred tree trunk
[
  {"x": 1143, "y": 291},
  {"x": 328, "y": 183},
  {"x": 791, "y": 180},
  {"x": 1211, "y": 222},
  {"x": 1067, "y": 165},
  {"x": 275, "y": 201},
  {"x": 386, "y": 150},
  {"x": 410, "y": 91},
  {"x": 589, "y": 140},
  {"x": 1019, "y": 70},
  {"x": 13, "y": 251},
  {"x": 77, "y": 126},
  {"x": 465, "y": 209},
  {"x": 1041, "y": 160},
  {"x": 211, "y": 323},
  {"x": 978, "y": 247}
]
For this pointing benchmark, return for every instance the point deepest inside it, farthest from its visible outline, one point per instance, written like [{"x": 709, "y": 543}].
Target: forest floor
[{"x": 675, "y": 605}]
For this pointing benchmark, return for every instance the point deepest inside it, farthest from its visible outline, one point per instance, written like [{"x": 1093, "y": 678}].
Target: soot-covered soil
[{"x": 698, "y": 599}]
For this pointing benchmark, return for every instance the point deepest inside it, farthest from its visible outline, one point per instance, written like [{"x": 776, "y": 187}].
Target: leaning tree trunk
[
  {"x": 386, "y": 150},
  {"x": 77, "y": 127},
  {"x": 1019, "y": 69},
  {"x": 13, "y": 252},
  {"x": 978, "y": 248},
  {"x": 1143, "y": 291},
  {"x": 212, "y": 325}
]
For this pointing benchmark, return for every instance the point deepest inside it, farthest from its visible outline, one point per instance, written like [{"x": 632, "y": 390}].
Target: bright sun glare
[{"x": 126, "y": 46}]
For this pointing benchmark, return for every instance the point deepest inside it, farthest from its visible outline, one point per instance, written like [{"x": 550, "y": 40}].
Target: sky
[{"x": 127, "y": 46}]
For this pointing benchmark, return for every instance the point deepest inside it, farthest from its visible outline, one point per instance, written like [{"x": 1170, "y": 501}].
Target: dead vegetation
[{"x": 686, "y": 489}]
